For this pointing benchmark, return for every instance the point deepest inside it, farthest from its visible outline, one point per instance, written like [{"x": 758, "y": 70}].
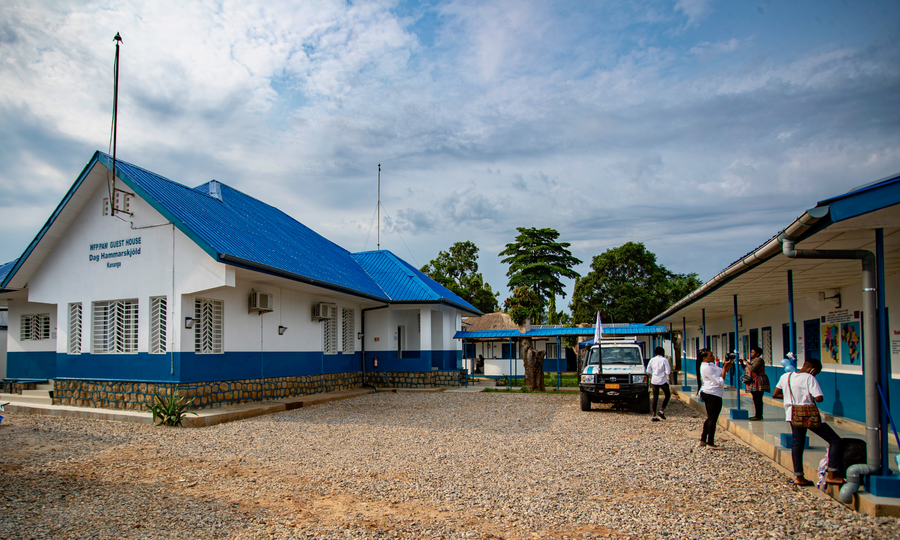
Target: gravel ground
[{"x": 406, "y": 465}]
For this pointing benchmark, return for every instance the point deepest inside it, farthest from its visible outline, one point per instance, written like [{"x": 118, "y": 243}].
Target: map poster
[
  {"x": 831, "y": 344},
  {"x": 851, "y": 343}
]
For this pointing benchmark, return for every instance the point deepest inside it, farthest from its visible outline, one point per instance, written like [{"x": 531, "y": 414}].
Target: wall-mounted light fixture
[
  {"x": 740, "y": 322},
  {"x": 282, "y": 330},
  {"x": 189, "y": 322},
  {"x": 359, "y": 335},
  {"x": 832, "y": 294}
]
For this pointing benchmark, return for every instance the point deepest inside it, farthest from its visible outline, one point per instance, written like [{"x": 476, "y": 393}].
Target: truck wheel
[
  {"x": 585, "y": 402},
  {"x": 644, "y": 403}
]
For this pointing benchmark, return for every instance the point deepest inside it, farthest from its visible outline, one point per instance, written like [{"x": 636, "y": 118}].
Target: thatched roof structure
[{"x": 489, "y": 321}]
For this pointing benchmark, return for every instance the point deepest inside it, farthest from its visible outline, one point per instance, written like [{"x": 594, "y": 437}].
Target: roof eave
[{"x": 810, "y": 222}]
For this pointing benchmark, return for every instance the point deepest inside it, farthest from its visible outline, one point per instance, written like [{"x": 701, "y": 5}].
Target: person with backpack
[{"x": 801, "y": 392}]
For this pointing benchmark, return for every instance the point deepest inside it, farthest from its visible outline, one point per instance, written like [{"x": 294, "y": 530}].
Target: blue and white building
[
  {"x": 214, "y": 291},
  {"x": 823, "y": 287}
]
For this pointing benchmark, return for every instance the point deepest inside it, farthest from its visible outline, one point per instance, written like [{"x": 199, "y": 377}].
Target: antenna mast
[
  {"x": 112, "y": 195},
  {"x": 378, "y": 247}
]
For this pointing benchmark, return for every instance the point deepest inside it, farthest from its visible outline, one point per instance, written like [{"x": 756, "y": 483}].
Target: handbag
[
  {"x": 805, "y": 416},
  {"x": 746, "y": 378}
]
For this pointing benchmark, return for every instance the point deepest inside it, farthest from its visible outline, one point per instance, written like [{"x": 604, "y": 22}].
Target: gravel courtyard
[{"x": 405, "y": 465}]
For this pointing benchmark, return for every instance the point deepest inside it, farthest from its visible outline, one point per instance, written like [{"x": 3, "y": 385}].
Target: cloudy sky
[{"x": 697, "y": 127}]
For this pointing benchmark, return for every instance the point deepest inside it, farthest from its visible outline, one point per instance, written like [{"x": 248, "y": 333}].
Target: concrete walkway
[
  {"x": 205, "y": 417},
  {"x": 765, "y": 437}
]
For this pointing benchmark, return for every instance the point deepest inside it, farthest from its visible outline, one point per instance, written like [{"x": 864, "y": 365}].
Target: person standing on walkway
[
  {"x": 711, "y": 393},
  {"x": 759, "y": 381},
  {"x": 659, "y": 369},
  {"x": 801, "y": 388}
]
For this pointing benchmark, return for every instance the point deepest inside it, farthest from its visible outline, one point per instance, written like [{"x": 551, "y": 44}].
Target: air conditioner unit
[
  {"x": 324, "y": 311},
  {"x": 261, "y": 302}
]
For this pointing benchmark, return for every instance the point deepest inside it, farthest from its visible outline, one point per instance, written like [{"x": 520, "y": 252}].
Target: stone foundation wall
[
  {"x": 16, "y": 387},
  {"x": 416, "y": 379},
  {"x": 136, "y": 396}
]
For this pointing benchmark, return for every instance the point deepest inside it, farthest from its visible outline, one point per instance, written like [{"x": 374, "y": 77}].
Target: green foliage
[
  {"x": 626, "y": 284},
  {"x": 457, "y": 269},
  {"x": 537, "y": 261},
  {"x": 522, "y": 305},
  {"x": 170, "y": 410}
]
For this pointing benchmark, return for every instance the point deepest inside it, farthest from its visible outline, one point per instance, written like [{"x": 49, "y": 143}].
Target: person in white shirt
[
  {"x": 801, "y": 388},
  {"x": 658, "y": 368},
  {"x": 711, "y": 393}
]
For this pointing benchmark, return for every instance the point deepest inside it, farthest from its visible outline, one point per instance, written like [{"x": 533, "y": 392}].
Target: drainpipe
[{"x": 870, "y": 358}]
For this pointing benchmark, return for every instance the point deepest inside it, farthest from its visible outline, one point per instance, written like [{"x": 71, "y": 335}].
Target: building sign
[
  {"x": 841, "y": 338},
  {"x": 108, "y": 252}
]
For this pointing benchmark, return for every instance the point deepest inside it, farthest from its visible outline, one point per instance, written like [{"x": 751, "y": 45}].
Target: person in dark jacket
[{"x": 759, "y": 381}]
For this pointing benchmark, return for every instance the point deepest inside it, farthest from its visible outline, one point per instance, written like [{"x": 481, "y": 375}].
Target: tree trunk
[{"x": 534, "y": 366}]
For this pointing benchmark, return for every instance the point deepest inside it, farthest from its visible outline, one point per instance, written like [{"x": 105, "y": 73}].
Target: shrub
[{"x": 170, "y": 410}]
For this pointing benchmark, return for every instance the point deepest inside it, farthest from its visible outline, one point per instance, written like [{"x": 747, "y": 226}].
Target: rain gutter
[{"x": 773, "y": 247}]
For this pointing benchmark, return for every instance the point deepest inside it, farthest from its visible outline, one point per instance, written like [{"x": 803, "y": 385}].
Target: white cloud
[{"x": 598, "y": 120}]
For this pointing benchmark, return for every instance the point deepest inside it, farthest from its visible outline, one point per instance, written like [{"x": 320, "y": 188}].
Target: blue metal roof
[
  {"x": 628, "y": 330},
  {"x": 240, "y": 230},
  {"x": 5, "y": 268},
  {"x": 403, "y": 283},
  {"x": 861, "y": 200},
  {"x": 237, "y": 229}
]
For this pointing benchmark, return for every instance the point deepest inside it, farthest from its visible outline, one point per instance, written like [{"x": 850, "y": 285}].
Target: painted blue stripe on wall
[{"x": 31, "y": 365}]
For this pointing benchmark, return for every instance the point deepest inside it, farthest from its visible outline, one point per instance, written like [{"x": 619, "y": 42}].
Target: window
[
  {"x": 158, "y": 318},
  {"x": 470, "y": 350},
  {"x": 35, "y": 327},
  {"x": 767, "y": 345},
  {"x": 74, "y": 328},
  {"x": 208, "y": 326},
  {"x": 551, "y": 351},
  {"x": 715, "y": 347},
  {"x": 116, "y": 326},
  {"x": 508, "y": 351},
  {"x": 329, "y": 336},
  {"x": 347, "y": 328}
]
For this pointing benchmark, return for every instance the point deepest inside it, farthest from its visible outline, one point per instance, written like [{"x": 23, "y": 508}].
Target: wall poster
[
  {"x": 851, "y": 345},
  {"x": 841, "y": 338}
]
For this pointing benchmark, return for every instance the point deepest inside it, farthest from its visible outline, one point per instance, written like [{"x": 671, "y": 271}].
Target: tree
[
  {"x": 626, "y": 284},
  {"x": 522, "y": 306},
  {"x": 457, "y": 269},
  {"x": 536, "y": 260}
]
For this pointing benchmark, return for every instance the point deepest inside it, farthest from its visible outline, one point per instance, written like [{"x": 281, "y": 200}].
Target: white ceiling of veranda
[{"x": 765, "y": 285}]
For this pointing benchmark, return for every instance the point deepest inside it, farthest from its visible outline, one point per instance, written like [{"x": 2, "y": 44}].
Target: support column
[
  {"x": 792, "y": 332},
  {"x": 738, "y": 413},
  {"x": 685, "y": 387}
]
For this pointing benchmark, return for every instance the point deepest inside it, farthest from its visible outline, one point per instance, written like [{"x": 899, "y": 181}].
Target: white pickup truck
[{"x": 616, "y": 376}]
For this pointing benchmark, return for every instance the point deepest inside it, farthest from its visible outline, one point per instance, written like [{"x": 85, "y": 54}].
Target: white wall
[
  {"x": 17, "y": 308},
  {"x": 3, "y": 333}
]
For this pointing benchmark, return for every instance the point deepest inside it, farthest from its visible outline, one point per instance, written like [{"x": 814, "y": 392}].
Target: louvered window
[
  {"x": 347, "y": 327},
  {"x": 158, "y": 319},
  {"x": 208, "y": 326},
  {"x": 116, "y": 327},
  {"x": 329, "y": 337},
  {"x": 35, "y": 327},
  {"x": 767, "y": 345},
  {"x": 75, "y": 328}
]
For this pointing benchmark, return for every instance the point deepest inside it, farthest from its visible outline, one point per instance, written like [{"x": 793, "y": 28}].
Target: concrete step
[
  {"x": 33, "y": 400},
  {"x": 45, "y": 386},
  {"x": 36, "y": 393}
]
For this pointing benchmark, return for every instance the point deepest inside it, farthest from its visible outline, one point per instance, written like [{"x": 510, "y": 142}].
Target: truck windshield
[{"x": 616, "y": 355}]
